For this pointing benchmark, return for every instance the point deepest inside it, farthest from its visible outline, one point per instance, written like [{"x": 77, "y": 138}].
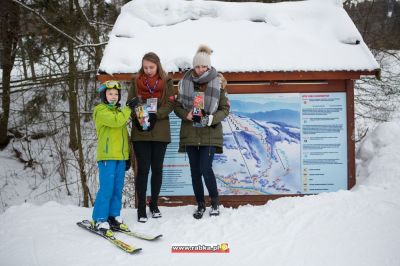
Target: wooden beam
[
  {"x": 227, "y": 201},
  {"x": 273, "y": 87},
  {"x": 284, "y": 76},
  {"x": 264, "y": 76},
  {"x": 121, "y": 77}
]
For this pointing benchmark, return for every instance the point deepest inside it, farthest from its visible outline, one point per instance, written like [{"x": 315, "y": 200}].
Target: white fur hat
[{"x": 202, "y": 57}]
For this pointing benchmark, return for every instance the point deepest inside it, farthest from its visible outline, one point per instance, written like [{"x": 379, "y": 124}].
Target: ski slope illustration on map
[{"x": 261, "y": 146}]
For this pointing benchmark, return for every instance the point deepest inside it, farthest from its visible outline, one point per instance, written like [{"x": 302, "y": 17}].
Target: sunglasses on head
[{"x": 110, "y": 84}]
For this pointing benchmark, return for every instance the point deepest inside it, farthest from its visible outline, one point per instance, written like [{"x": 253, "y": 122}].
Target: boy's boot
[
  {"x": 116, "y": 224},
  {"x": 103, "y": 227}
]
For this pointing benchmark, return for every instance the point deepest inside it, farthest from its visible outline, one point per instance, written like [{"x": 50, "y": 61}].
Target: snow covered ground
[{"x": 357, "y": 227}]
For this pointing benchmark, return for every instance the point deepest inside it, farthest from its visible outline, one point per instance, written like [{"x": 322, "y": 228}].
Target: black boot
[
  {"x": 116, "y": 224},
  {"x": 155, "y": 212},
  {"x": 214, "y": 206},
  {"x": 201, "y": 208},
  {"x": 141, "y": 214}
]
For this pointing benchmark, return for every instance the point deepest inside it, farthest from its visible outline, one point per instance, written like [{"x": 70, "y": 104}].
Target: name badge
[{"x": 152, "y": 105}]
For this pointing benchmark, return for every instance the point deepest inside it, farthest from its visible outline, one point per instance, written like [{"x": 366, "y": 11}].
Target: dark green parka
[
  {"x": 161, "y": 130},
  {"x": 203, "y": 136}
]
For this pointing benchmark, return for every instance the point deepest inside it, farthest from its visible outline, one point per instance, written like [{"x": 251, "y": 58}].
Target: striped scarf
[{"x": 211, "y": 95}]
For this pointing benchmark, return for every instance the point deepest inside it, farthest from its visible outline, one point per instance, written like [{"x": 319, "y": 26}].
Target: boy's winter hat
[{"x": 202, "y": 57}]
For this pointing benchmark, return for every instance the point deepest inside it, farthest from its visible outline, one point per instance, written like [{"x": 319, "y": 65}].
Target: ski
[
  {"x": 85, "y": 224},
  {"x": 136, "y": 234}
]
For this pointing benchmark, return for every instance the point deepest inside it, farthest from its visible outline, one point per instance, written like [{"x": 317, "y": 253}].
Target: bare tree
[
  {"x": 9, "y": 21},
  {"x": 69, "y": 49}
]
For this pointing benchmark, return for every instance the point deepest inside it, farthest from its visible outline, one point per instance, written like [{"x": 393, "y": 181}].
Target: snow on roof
[{"x": 314, "y": 35}]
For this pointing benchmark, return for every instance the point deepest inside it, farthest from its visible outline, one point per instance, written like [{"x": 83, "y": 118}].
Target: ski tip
[
  {"x": 135, "y": 251},
  {"x": 83, "y": 222},
  {"x": 152, "y": 238}
]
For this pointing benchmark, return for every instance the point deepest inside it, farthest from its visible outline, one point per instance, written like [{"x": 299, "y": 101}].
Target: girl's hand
[{"x": 189, "y": 116}]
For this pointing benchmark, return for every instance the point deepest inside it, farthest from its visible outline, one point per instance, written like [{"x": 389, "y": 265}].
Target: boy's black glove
[
  {"x": 132, "y": 103},
  {"x": 127, "y": 164},
  {"x": 152, "y": 121},
  {"x": 137, "y": 125}
]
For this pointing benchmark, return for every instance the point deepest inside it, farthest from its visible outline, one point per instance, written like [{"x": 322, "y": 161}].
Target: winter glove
[
  {"x": 127, "y": 164},
  {"x": 152, "y": 121},
  {"x": 206, "y": 121},
  {"x": 132, "y": 103}
]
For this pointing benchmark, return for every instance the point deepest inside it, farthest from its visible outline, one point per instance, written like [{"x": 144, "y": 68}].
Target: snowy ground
[{"x": 357, "y": 227}]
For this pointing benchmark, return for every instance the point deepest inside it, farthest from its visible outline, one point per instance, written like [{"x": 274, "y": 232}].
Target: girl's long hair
[{"x": 153, "y": 57}]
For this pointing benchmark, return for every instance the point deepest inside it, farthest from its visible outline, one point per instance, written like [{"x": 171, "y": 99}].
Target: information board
[{"x": 288, "y": 143}]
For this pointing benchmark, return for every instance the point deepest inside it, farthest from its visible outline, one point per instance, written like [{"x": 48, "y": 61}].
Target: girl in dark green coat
[
  {"x": 151, "y": 85},
  {"x": 202, "y": 104}
]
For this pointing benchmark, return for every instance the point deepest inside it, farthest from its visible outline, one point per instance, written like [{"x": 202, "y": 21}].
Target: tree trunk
[
  {"x": 75, "y": 130},
  {"x": 81, "y": 163},
  {"x": 9, "y": 16},
  {"x": 23, "y": 57},
  {"x": 72, "y": 91},
  {"x": 73, "y": 142},
  {"x": 32, "y": 66}
]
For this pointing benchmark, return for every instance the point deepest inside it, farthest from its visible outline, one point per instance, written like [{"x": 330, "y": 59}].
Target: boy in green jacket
[{"x": 112, "y": 152}]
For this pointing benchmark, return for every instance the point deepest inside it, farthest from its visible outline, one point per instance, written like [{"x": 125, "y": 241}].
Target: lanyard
[{"x": 151, "y": 90}]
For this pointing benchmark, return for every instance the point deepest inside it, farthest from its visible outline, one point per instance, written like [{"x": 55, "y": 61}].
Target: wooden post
[{"x": 351, "y": 167}]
